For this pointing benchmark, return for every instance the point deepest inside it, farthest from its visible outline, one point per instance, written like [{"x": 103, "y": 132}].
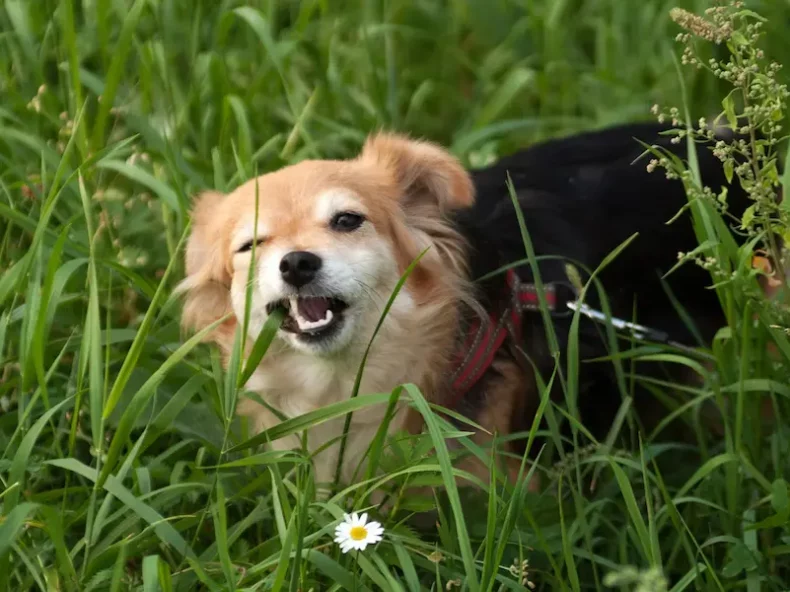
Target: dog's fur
[{"x": 581, "y": 197}]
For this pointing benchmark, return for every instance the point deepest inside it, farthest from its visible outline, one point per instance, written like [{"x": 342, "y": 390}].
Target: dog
[{"x": 332, "y": 240}]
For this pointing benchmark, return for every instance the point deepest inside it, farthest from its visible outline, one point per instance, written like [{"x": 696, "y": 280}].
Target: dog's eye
[
  {"x": 346, "y": 221},
  {"x": 248, "y": 245}
]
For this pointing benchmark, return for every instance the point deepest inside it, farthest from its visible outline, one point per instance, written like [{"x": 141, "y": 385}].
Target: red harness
[{"x": 485, "y": 337}]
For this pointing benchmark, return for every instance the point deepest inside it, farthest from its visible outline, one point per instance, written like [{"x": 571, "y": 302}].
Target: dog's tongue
[{"x": 313, "y": 309}]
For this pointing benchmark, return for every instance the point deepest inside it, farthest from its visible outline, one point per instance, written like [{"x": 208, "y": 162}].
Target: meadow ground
[{"x": 115, "y": 431}]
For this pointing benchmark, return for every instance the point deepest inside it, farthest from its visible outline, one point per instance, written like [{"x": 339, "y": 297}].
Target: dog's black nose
[{"x": 298, "y": 268}]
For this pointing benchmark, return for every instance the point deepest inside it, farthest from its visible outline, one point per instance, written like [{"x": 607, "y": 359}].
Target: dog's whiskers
[{"x": 372, "y": 295}]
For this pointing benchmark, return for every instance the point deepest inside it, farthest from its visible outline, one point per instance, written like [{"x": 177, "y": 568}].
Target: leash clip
[{"x": 639, "y": 332}]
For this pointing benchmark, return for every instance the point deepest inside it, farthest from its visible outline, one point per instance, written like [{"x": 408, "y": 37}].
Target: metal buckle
[
  {"x": 567, "y": 310},
  {"x": 639, "y": 332}
]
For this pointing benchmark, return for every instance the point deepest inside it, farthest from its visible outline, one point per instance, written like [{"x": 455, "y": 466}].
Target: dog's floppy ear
[
  {"x": 429, "y": 183},
  {"x": 206, "y": 287},
  {"x": 423, "y": 171}
]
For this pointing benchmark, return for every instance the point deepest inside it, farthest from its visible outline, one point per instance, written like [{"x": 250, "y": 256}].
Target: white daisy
[{"x": 355, "y": 532}]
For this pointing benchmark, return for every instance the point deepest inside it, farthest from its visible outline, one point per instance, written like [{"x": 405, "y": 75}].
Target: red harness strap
[{"x": 484, "y": 338}]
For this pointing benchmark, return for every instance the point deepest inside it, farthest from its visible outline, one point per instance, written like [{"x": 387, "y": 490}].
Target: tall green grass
[{"x": 121, "y": 464}]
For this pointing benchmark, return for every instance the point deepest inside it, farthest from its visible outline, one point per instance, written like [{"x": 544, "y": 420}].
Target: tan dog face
[{"x": 331, "y": 240}]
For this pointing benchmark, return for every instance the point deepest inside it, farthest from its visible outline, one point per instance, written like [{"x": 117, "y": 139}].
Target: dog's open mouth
[{"x": 310, "y": 316}]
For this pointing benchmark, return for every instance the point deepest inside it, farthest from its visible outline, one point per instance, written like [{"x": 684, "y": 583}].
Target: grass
[{"x": 121, "y": 466}]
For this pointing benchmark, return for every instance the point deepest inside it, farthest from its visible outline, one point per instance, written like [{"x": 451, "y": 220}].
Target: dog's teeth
[{"x": 305, "y": 325}]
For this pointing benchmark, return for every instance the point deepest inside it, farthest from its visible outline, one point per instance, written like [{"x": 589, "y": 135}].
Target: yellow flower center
[{"x": 358, "y": 533}]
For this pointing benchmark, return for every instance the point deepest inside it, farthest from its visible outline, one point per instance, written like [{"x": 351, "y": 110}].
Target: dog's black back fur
[{"x": 581, "y": 197}]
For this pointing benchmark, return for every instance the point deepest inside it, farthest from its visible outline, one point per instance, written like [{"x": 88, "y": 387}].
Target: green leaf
[
  {"x": 741, "y": 559},
  {"x": 311, "y": 419},
  {"x": 54, "y": 525},
  {"x": 448, "y": 475},
  {"x": 219, "y": 512},
  {"x": 748, "y": 216},
  {"x": 146, "y": 179},
  {"x": 20, "y": 462},
  {"x": 705, "y": 470},
  {"x": 162, "y": 527},
  {"x": 10, "y": 528},
  {"x": 168, "y": 414},
  {"x": 779, "y": 499},
  {"x": 729, "y": 110},
  {"x": 738, "y": 39},
  {"x": 515, "y": 83},
  {"x": 262, "y": 343},
  {"x": 263, "y": 459},
  {"x": 131, "y": 358},
  {"x": 151, "y": 573},
  {"x": 780, "y": 504},
  {"x": 116, "y": 71},
  {"x": 333, "y": 570},
  {"x": 11, "y": 278},
  {"x": 693, "y": 574},
  {"x": 750, "y": 13},
  {"x": 633, "y": 511},
  {"x": 406, "y": 565},
  {"x": 243, "y": 126},
  {"x": 142, "y": 397},
  {"x": 90, "y": 350},
  {"x": 288, "y": 542}
]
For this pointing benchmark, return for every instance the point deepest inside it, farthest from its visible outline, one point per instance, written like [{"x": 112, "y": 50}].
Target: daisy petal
[{"x": 356, "y": 533}]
